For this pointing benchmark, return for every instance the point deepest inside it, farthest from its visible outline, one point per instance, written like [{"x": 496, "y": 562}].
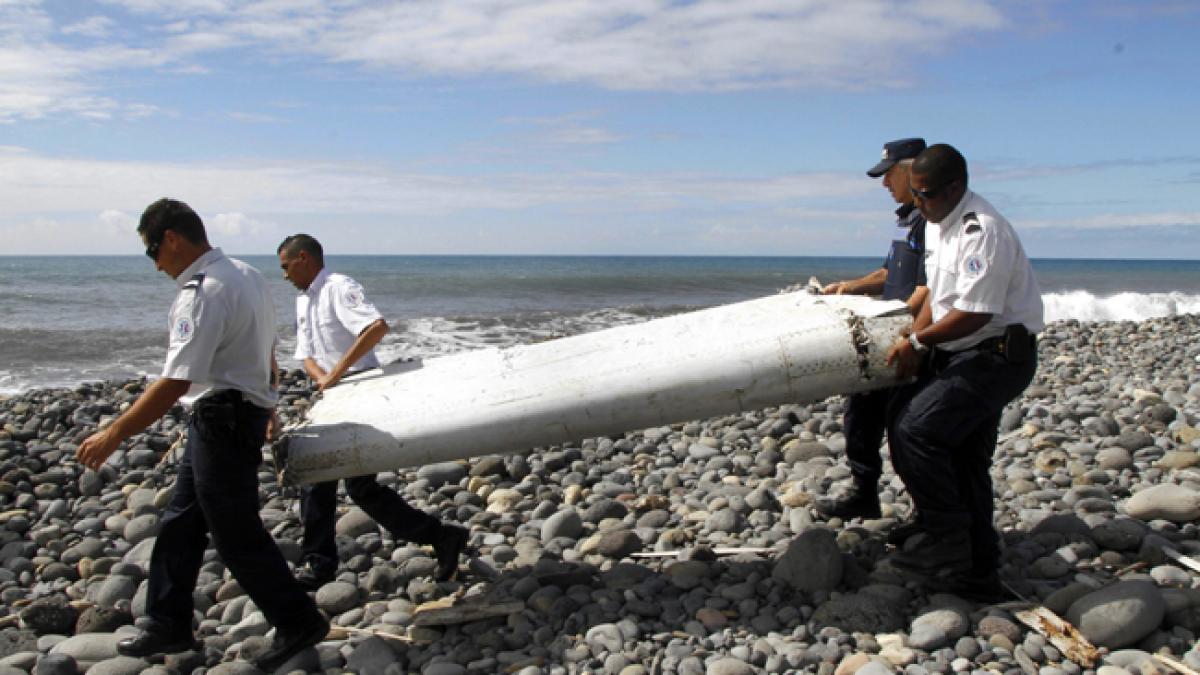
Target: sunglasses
[
  {"x": 929, "y": 194},
  {"x": 152, "y": 250},
  {"x": 926, "y": 194}
]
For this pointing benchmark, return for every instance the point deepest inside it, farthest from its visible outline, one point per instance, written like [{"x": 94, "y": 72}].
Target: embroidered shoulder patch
[
  {"x": 354, "y": 297},
  {"x": 183, "y": 329},
  {"x": 974, "y": 265}
]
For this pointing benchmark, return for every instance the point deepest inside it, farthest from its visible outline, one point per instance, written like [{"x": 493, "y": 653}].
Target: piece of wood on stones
[
  {"x": 1190, "y": 563},
  {"x": 1177, "y": 665},
  {"x": 716, "y": 551},
  {"x": 452, "y": 610},
  {"x": 1061, "y": 634},
  {"x": 343, "y": 632}
]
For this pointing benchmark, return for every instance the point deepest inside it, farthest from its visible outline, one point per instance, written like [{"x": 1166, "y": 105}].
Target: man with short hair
[
  {"x": 220, "y": 359},
  {"x": 974, "y": 349},
  {"x": 902, "y": 273},
  {"x": 337, "y": 329}
]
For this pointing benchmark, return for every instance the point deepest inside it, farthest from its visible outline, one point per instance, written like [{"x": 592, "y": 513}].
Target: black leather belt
[
  {"x": 231, "y": 397},
  {"x": 995, "y": 344}
]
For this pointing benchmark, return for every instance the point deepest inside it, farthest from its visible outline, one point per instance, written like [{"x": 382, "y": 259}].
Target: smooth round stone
[
  {"x": 951, "y": 622},
  {"x": 617, "y": 544},
  {"x": 355, "y": 523},
  {"x": 566, "y": 523},
  {"x": 441, "y": 473},
  {"x": 1114, "y": 458},
  {"x": 114, "y": 589},
  {"x": 1167, "y": 502},
  {"x": 1120, "y": 614},
  {"x": 444, "y": 668},
  {"x": 967, "y": 647},
  {"x": 812, "y": 562},
  {"x": 1119, "y": 534},
  {"x": 724, "y": 520},
  {"x": 141, "y": 528},
  {"x": 337, "y": 597},
  {"x": 89, "y": 647},
  {"x": 605, "y": 637},
  {"x": 1171, "y": 576}
]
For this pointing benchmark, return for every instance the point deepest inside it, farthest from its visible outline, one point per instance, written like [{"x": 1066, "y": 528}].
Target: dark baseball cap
[{"x": 894, "y": 151}]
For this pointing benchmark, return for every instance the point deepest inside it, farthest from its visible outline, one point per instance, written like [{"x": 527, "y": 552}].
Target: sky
[{"x": 643, "y": 127}]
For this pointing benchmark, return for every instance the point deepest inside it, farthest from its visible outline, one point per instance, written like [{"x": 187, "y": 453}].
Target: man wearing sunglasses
[
  {"x": 902, "y": 272},
  {"x": 220, "y": 361},
  {"x": 973, "y": 349}
]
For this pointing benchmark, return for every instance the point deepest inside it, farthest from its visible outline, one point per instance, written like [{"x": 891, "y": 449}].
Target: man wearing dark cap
[{"x": 902, "y": 272}]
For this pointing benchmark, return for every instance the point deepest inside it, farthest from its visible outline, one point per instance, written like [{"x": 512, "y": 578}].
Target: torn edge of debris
[
  {"x": 861, "y": 339},
  {"x": 1061, "y": 634}
]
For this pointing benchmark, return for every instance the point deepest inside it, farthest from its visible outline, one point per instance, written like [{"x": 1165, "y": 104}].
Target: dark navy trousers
[
  {"x": 942, "y": 436},
  {"x": 864, "y": 422},
  {"x": 318, "y": 509},
  {"x": 216, "y": 494}
]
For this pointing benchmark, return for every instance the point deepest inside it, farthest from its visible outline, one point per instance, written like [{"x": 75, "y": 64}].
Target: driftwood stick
[
  {"x": 1177, "y": 665},
  {"x": 716, "y": 551},
  {"x": 1061, "y": 634},
  {"x": 1190, "y": 563}
]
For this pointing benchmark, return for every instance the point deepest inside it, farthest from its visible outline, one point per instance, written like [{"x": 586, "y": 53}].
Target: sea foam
[{"x": 1084, "y": 306}]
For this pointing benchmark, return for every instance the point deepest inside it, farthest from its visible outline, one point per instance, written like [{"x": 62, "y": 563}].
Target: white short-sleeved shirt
[
  {"x": 222, "y": 330},
  {"x": 975, "y": 263},
  {"x": 330, "y": 316}
]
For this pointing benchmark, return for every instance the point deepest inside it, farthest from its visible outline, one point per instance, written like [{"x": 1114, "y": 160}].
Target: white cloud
[
  {"x": 572, "y": 129},
  {"x": 248, "y": 198},
  {"x": 34, "y": 184},
  {"x": 116, "y": 223},
  {"x": 40, "y": 77},
  {"x": 237, "y": 225},
  {"x": 655, "y": 44},
  {"x": 254, "y": 118},
  {"x": 1116, "y": 221},
  {"x": 92, "y": 27},
  {"x": 702, "y": 45}
]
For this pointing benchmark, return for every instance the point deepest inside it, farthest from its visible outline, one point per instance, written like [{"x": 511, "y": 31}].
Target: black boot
[
  {"x": 152, "y": 642},
  {"x": 939, "y": 553},
  {"x": 903, "y": 532},
  {"x": 449, "y": 544},
  {"x": 288, "y": 644},
  {"x": 860, "y": 500},
  {"x": 982, "y": 586},
  {"x": 311, "y": 579}
]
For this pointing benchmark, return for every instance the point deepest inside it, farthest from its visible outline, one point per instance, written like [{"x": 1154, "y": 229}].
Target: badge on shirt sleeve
[
  {"x": 354, "y": 297},
  {"x": 183, "y": 330},
  {"x": 974, "y": 265}
]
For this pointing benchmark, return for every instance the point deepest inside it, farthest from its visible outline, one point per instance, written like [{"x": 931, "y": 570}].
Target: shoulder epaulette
[
  {"x": 971, "y": 220},
  {"x": 195, "y": 281}
]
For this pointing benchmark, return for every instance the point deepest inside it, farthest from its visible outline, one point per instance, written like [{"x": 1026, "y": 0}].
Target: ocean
[{"x": 69, "y": 319}]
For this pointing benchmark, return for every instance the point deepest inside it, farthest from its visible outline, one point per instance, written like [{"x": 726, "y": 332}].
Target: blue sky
[{"x": 708, "y": 127}]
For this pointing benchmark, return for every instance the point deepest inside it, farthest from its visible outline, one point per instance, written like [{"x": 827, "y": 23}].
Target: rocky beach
[{"x": 690, "y": 548}]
